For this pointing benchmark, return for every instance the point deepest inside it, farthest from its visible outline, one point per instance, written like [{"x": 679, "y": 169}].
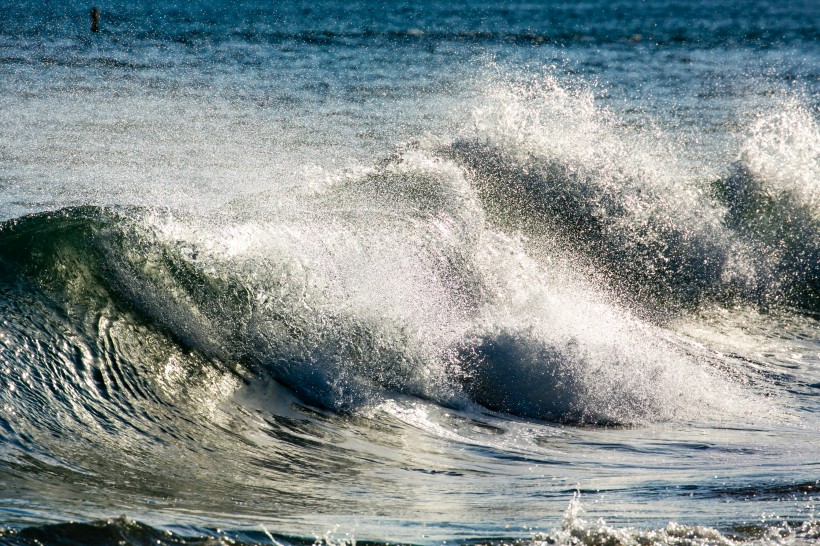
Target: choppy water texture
[{"x": 423, "y": 272}]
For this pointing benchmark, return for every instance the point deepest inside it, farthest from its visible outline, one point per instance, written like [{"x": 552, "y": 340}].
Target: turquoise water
[{"x": 415, "y": 273}]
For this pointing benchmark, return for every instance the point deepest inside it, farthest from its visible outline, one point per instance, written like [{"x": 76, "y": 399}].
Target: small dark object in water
[{"x": 95, "y": 19}]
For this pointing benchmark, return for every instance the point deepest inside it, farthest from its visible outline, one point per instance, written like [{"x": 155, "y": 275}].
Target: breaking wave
[
  {"x": 523, "y": 266},
  {"x": 548, "y": 162},
  {"x": 369, "y": 292}
]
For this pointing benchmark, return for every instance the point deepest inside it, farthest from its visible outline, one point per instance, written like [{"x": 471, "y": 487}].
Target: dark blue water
[{"x": 409, "y": 272}]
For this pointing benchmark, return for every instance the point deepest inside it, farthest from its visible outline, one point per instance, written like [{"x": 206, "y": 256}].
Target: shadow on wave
[
  {"x": 660, "y": 250},
  {"x": 784, "y": 230}
]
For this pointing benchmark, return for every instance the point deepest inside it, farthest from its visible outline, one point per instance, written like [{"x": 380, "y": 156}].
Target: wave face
[{"x": 414, "y": 295}]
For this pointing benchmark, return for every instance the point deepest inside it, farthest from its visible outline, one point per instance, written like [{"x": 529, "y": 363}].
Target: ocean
[{"x": 462, "y": 273}]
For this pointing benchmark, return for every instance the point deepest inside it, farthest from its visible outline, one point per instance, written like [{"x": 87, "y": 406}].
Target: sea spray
[
  {"x": 772, "y": 195},
  {"x": 546, "y": 159}
]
